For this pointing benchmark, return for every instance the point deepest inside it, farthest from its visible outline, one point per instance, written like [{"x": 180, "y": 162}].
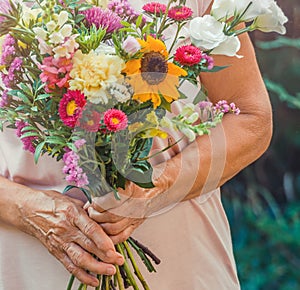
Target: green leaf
[
  {"x": 42, "y": 97},
  {"x": 30, "y": 134},
  {"x": 201, "y": 96},
  {"x": 139, "y": 20},
  {"x": 38, "y": 151},
  {"x": 214, "y": 69}
]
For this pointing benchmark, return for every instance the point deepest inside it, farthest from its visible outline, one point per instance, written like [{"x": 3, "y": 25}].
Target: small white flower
[
  {"x": 51, "y": 26},
  {"x": 66, "y": 30},
  {"x": 56, "y": 38},
  {"x": 188, "y": 109},
  {"x": 188, "y": 133},
  {"x": 273, "y": 21},
  {"x": 62, "y": 18},
  {"x": 40, "y": 33},
  {"x": 192, "y": 118}
]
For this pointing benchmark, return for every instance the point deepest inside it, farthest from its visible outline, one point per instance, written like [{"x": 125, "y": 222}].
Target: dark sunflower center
[{"x": 154, "y": 68}]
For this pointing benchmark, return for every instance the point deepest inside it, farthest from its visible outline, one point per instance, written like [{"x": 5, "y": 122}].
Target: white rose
[
  {"x": 206, "y": 32},
  {"x": 222, "y": 9},
  {"x": 273, "y": 21},
  {"x": 229, "y": 47},
  {"x": 227, "y": 8}
]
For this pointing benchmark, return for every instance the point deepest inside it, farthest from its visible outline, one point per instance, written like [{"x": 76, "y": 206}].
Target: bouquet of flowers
[{"x": 92, "y": 83}]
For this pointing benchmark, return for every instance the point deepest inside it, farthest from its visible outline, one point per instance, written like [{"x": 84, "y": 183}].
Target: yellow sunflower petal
[
  {"x": 176, "y": 70},
  {"x": 142, "y": 97},
  {"x": 155, "y": 99},
  {"x": 157, "y": 46},
  {"x": 132, "y": 66},
  {"x": 144, "y": 44},
  {"x": 169, "y": 88}
]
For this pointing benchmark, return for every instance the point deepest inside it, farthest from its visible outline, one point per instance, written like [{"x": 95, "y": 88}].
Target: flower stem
[
  {"x": 126, "y": 268},
  {"x": 71, "y": 281},
  {"x": 135, "y": 267},
  {"x": 119, "y": 278}
]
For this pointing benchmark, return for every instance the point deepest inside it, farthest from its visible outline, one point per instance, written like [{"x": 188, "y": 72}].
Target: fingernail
[
  {"x": 110, "y": 254},
  {"x": 120, "y": 261},
  {"x": 95, "y": 283},
  {"x": 110, "y": 271}
]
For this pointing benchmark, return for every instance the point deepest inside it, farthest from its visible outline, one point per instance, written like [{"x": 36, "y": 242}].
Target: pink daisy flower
[
  {"x": 180, "y": 13},
  {"x": 115, "y": 120},
  {"x": 155, "y": 8},
  {"x": 188, "y": 55},
  {"x": 70, "y": 107},
  {"x": 105, "y": 19},
  {"x": 90, "y": 120}
]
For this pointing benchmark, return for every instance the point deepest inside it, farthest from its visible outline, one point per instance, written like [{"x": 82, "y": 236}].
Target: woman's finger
[
  {"x": 84, "y": 260},
  {"x": 124, "y": 235},
  {"x": 105, "y": 247},
  {"x": 78, "y": 272},
  {"x": 102, "y": 217}
]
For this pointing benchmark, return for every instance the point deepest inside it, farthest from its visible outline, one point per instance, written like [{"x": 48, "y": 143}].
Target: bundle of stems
[{"x": 124, "y": 277}]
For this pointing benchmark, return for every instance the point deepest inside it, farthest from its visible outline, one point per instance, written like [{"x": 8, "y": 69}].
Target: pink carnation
[
  {"x": 55, "y": 72},
  {"x": 70, "y": 107},
  {"x": 115, "y": 120},
  {"x": 188, "y": 55},
  {"x": 180, "y": 13},
  {"x": 155, "y": 8}
]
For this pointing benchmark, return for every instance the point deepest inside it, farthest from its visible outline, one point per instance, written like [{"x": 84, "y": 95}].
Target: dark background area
[{"x": 263, "y": 201}]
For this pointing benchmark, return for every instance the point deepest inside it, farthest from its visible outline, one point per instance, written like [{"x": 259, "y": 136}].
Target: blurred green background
[{"x": 263, "y": 201}]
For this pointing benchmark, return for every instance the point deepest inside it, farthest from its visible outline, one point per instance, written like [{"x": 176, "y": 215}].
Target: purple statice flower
[
  {"x": 209, "y": 61},
  {"x": 123, "y": 9},
  {"x": 73, "y": 171},
  {"x": 4, "y": 99},
  {"x": 224, "y": 107},
  {"x": 5, "y": 8},
  {"x": 27, "y": 141},
  {"x": 8, "y": 79},
  {"x": 79, "y": 143},
  {"x": 105, "y": 19},
  {"x": 8, "y": 50}
]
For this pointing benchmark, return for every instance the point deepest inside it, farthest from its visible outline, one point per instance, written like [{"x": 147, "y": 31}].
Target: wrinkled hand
[
  {"x": 63, "y": 226},
  {"x": 119, "y": 218}
]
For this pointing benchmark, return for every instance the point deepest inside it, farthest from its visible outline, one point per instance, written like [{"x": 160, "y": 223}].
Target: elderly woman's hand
[
  {"x": 119, "y": 218},
  {"x": 64, "y": 227}
]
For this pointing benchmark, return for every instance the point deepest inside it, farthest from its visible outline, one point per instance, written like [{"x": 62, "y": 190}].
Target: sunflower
[{"x": 152, "y": 76}]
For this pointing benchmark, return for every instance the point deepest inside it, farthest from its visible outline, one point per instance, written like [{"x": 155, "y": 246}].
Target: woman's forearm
[{"x": 13, "y": 197}]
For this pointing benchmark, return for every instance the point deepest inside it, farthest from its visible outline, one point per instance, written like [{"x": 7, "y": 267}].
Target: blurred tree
[{"x": 263, "y": 201}]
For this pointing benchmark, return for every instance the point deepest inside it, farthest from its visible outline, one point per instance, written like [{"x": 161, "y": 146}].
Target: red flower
[
  {"x": 70, "y": 107},
  {"x": 90, "y": 120},
  {"x": 188, "y": 55},
  {"x": 115, "y": 120},
  {"x": 180, "y": 13},
  {"x": 155, "y": 8}
]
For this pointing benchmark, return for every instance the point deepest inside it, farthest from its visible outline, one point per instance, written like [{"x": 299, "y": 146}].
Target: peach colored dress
[{"x": 192, "y": 238}]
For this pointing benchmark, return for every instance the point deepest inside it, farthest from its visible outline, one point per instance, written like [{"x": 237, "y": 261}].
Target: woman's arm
[
  {"x": 61, "y": 224},
  {"x": 211, "y": 160}
]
